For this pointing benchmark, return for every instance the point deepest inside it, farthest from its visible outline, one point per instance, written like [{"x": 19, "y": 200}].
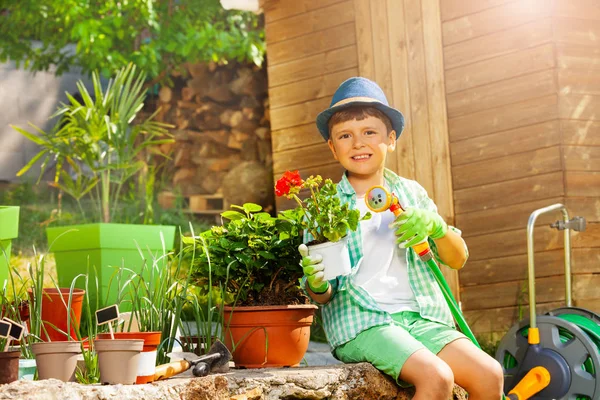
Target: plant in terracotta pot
[
  {"x": 321, "y": 217},
  {"x": 99, "y": 147},
  {"x": 254, "y": 258}
]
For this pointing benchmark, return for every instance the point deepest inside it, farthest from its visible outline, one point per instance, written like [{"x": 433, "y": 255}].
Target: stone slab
[{"x": 344, "y": 381}]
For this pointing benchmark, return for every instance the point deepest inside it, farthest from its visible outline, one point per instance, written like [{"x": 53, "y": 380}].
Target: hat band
[{"x": 353, "y": 99}]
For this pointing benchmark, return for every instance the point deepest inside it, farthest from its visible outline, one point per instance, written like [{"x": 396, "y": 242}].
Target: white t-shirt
[{"x": 383, "y": 271}]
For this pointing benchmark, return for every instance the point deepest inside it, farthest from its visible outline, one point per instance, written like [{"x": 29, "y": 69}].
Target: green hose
[{"x": 460, "y": 319}]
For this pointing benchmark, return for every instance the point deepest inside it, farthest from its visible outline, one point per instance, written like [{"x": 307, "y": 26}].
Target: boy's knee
[
  {"x": 490, "y": 380},
  {"x": 439, "y": 377}
]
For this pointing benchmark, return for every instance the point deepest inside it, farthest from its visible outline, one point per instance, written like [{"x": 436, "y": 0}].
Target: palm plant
[{"x": 100, "y": 140}]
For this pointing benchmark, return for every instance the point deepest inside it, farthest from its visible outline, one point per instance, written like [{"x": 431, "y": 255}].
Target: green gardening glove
[
  {"x": 313, "y": 270},
  {"x": 414, "y": 226}
]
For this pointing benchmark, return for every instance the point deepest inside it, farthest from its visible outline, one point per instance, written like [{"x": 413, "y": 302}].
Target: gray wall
[{"x": 27, "y": 97}]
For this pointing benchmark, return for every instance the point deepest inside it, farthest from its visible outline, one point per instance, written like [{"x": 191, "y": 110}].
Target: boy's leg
[
  {"x": 392, "y": 350},
  {"x": 478, "y": 373}
]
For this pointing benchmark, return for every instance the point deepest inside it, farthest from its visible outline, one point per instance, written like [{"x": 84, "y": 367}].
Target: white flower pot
[{"x": 335, "y": 257}]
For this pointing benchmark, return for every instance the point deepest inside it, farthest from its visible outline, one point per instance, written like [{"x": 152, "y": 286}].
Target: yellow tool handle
[{"x": 165, "y": 371}]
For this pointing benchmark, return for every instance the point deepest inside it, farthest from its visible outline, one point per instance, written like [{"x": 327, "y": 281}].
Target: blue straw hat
[{"x": 359, "y": 91}]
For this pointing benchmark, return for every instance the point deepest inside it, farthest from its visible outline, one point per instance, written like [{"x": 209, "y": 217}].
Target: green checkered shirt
[{"x": 351, "y": 309}]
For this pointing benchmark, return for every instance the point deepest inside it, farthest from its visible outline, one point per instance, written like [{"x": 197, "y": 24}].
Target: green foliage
[
  {"x": 99, "y": 141},
  {"x": 321, "y": 214},
  {"x": 249, "y": 255},
  {"x": 107, "y": 35}
]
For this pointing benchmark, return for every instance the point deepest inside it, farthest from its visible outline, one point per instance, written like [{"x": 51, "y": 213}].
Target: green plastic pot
[
  {"x": 9, "y": 230},
  {"x": 107, "y": 247}
]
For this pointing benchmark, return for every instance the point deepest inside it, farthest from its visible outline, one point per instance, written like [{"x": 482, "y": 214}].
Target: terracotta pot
[
  {"x": 118, "y": 360},
  {"x": 147, "y": 359},
  {"x": 56, "y": 360},
  {"x": 54, "y": 312},
  {"x": 9, "y": 366},
  {"x": 287, "y": 328}
]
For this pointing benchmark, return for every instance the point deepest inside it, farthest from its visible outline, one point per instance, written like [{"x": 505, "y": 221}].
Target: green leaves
[
  {"x": 98, "y": 140},
  {"x": 248, "y": 253},
  {"x": 154, "y": 35}
]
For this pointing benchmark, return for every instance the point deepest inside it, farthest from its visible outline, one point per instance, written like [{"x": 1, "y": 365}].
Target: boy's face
[{"x": 361, "y": 146}]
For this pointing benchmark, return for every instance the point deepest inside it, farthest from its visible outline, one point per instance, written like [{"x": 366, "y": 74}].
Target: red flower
[{"x": 289, "y": 181}]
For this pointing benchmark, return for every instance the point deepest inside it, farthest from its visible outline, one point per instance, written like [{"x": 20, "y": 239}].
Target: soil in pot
[
  {"x": 56, "y": 360},
  {"x": 118, "y": 360},
  {"x": 9, "y": 366}
]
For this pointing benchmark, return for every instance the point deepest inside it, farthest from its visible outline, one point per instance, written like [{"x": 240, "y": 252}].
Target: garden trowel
[{"x": 216, "y": 360}]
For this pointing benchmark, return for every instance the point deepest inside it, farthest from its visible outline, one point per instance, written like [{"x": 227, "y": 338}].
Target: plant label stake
[
  {"x": 4, "y": 330},
  {"x": 14, "y": 333},
  {"x": 106, "y": 316}
]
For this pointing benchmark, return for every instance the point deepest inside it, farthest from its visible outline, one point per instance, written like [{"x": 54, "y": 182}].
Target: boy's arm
[{"x": 451, "y": 249}]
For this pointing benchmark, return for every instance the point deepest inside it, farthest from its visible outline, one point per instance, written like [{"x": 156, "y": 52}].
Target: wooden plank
[
  {"x": 578, "y": 81},
  {"x": 298, "y": 114},
  {"x": 500, "y": 320},
  {"x": 451, "y": 9},
  {"x": 495, "y": 19},
  {"x": 510, "y": 243},
  {"x": 364, "y": 39},
  {"x": 583, "y": 184},
  {"x": 487, "y": 71},
  {"x": 579, "y": 106},
  {"x": 502, "y": 244},
  {"x": 587, "y": 207},
  {"x": 404, "y": 154},
  {"x": 313, "y": 66},
  {"x": 513, "y": 268},
  {"x": 275, "y": 10},
  {"x": 504, "y": 143},
  {"x": 309, "y": 22},
  {"x": 581, "y": 158},
  {"x": 438, "y": 127},
  {"x": 438, "y": 132},
  {"x": 418, "y": 95},
  {"x": 578, "y": 57},
  {"x": 310, "y": 89},
  {"x": 498, "y": 44},
  {"x": 585, "y": 133},
  {"x": 501, "y": 93},
  {"x": 576, "y": 32},
  {"x": 584, "y": 9},
  {"x": 586, "y": 286},
  {"x": 314, "y": 43},
  {"x": 510, "y": 217},
  {"x": 381, "y": 56},
  {"x": 503, "y": 118},
  {"x": 294, "y": 137},
  {"x": 507, "y": 168},
  {"x": 510, "y": 294},
  {"x": 304, "y": 157},
  {"x": 542, "y": 186}
]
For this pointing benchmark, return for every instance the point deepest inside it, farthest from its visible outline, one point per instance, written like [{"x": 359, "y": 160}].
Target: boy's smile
[{"x": 361, "y": 146}]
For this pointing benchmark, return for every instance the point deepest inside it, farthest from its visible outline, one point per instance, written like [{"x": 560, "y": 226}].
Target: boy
[{"x": 390, "y": 311}]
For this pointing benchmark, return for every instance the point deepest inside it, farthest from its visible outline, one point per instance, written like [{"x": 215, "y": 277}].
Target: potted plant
[
  {"x": 98, "y": 147},
  {"x": 254, "y": 257},
  {"x": 322, "y": 217},
  {"x": 9, "y": 230}
]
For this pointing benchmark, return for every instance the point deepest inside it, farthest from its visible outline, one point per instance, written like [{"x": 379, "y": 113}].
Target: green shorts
[{"x": 388, "y": 347}]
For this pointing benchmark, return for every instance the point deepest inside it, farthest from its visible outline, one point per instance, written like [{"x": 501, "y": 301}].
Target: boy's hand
[
  {"x": 313, "y": 269},
  {"x": 414, "y": 226}
]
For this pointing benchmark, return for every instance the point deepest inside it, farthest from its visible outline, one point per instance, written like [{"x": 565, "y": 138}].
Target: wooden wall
[
  {"x": 312, "y": 46},
  {"x": 523, "y": 96}
]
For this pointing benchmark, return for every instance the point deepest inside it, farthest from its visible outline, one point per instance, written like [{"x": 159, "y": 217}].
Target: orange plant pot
[
  {"x": 147, "y": 360},
  {"x": 287, "y": 329},
  {"x": 54, "y": 312}
]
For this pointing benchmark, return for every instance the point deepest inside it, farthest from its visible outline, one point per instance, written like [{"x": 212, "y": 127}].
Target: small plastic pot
[
  {"x": 27, "y": 369},
  {"x": 118, "y": 360},
  {"x": 56, "y": 360}
]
